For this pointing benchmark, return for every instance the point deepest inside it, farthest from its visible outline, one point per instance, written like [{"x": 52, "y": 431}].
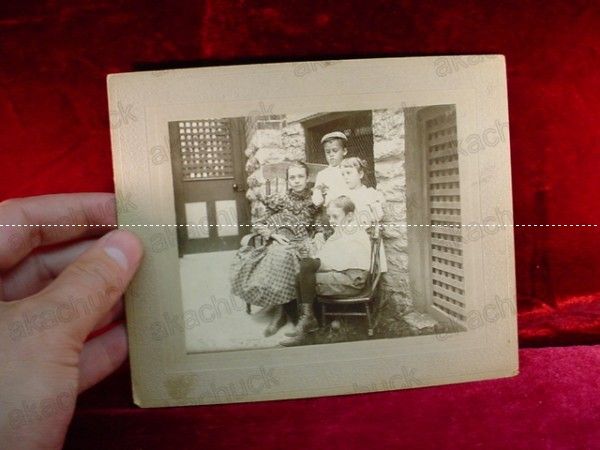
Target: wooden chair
[{"x": 366, "y": 297}]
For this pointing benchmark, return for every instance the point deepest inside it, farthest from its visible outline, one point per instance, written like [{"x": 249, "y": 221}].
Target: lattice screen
[
  {"x": 444, "y": 202},
  {"x": 206, "y": 151}
]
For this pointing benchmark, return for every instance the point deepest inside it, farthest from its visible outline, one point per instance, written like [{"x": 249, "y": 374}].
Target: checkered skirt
[{"x": 266, "y": 275}]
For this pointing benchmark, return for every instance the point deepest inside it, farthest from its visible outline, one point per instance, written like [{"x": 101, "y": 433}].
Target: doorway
[{"x": 207, "y": 158}]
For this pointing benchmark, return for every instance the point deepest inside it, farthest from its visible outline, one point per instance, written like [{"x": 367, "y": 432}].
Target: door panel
[{"x": 208, "y": 174}]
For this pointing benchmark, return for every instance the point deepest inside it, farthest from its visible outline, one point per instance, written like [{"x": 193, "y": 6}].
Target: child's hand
[
  {"x": 317, "y": 197},
  {"x": 316, "y": 244},
  {"x": 320, "y": 239},
  {"x": 264, "y": 231}
]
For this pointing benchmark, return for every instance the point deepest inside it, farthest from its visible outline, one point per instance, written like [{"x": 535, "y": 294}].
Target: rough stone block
[
  {"x": 388, "y": 123},
  {"x": 267, "y": 139},
  {"x": 393, "y": 189},
  {"x": 388, "y": 148},
  {"x": 269, "y": 155},
  {"x": 389, "y": 168}
]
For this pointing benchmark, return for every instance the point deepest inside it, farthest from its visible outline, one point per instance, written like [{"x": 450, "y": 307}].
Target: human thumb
[{"x": 92, "y": 284}]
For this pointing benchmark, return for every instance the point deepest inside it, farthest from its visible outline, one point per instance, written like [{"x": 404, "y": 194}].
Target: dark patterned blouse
[{"x": 294, "y": 209}]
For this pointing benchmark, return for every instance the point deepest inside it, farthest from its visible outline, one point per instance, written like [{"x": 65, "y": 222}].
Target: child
[
  {"x": 341, "y": 266},
  {"x": 369, "y": 202},
  {"x": 329, "y": 183},
  {"x": 266, "y": 276}
]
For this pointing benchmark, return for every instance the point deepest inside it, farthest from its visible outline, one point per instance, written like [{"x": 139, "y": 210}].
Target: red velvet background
[{"x": 53, "y": 113}]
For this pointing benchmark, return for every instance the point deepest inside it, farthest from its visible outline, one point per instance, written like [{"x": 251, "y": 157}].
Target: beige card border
[{"x": 163, "y": 374}]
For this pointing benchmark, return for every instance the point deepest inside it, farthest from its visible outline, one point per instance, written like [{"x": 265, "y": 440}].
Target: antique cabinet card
[{"x": 316, "y": 228}]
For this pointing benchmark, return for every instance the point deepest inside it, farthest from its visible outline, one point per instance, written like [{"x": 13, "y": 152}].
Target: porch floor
[
  {"x": 215, "y": 320},
  {"x": 218, "y": 320}
]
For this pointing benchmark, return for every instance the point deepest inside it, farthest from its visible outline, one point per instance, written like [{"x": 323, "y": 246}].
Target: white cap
[{"x": 334, "y": 135}]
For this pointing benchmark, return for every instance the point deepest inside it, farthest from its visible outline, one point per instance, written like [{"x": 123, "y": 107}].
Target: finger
[
  {"x": 115, "y": 313},
  {"x": 89, "y": 287},
  {"x": 88, "y": 214},
  {"x": 101, "y": 356},
  {"x": 39, "y": 269}
]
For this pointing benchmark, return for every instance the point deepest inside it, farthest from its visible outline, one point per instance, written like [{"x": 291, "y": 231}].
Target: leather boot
[
  {"x": 279, "y": 319},
  {"x": 306, "y": 325}
]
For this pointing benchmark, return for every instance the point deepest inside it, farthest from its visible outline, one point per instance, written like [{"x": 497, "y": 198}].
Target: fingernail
[
  {"x": 112, "y": 244},
  {"x": 118, "y": 256}
]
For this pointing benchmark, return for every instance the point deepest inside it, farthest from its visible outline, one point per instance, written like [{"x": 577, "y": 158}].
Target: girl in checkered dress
[{"x": 266, "y": 275}]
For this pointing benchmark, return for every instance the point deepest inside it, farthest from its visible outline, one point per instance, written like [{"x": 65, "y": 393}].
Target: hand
[
  {"x": 318, "y": 241},
  {"x": 303, "y": 251},
  {"x": 51, "y": 300},
  {"x": 317, "y": 197},
  {"x": 280, "y": 238},
  {"x": 264, "y": 231}
]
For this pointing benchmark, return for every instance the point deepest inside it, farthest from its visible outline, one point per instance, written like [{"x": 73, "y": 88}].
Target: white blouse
[
  {"x": 346, "y": 248},
  {"x": 332, "y": 179}
]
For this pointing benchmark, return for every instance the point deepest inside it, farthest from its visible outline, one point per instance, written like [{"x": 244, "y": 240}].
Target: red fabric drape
[{"x": 55, "y": 138}]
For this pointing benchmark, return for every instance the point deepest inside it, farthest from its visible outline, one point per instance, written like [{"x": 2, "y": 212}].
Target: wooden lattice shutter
[
  {"x": 447, "y": 275},
  {"x": 206, "y": 149}
]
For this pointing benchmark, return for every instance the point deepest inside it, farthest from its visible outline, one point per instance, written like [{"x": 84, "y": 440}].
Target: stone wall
[
  {"x": 388, "y": 152},
  {"x": 270, "y": 140}
]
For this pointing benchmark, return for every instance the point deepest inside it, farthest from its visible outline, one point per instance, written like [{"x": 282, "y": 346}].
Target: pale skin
[
  {"x": 353, "y": 177},
  {"x": 46, "y": 364}
]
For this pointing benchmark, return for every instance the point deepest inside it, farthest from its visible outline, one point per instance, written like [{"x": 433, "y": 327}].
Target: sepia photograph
[
  {"x": 328, "y": 222},
  {"x": 296, "y": 227}
]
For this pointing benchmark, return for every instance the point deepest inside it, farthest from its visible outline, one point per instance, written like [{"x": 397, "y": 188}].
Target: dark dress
[{"x": 266, "y": 275}]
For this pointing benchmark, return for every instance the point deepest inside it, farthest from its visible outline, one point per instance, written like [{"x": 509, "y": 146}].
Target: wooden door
[{"x": 208, "y": 174}]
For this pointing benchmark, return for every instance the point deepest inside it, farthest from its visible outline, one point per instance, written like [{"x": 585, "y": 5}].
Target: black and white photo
[
  {"x": 326, "y": 230},
  {"x": 297, "y": 226}
]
